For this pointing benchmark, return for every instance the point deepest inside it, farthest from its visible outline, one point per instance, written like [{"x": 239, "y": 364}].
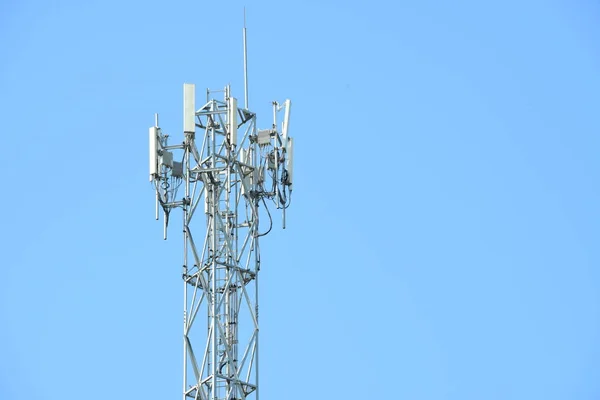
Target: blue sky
[{"x": 442, "y": 243}]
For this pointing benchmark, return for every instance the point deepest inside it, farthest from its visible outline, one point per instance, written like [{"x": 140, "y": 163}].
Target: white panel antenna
[
  {"x": 153, "y": 153},
  {"x": 232, "y": 118},
  {"x": 189, "y": 108},
  {"x": 290, "y": 161},
  {"x": 286, "y": 119}
]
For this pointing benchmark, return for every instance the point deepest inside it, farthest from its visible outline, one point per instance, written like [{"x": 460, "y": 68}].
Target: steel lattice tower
[{"x": 226, "y": 179}]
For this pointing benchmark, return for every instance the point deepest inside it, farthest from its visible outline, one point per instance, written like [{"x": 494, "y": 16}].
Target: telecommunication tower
[{"x": 229, "y": 170}]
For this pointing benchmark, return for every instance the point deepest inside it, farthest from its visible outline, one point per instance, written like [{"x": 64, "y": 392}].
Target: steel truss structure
[{"x": 214, "y": 173}]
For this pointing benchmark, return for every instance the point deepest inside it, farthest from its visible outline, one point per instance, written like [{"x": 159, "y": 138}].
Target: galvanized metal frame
[
  {"x": 224, "y": 274},
  {"x": 221, "y": 274}
]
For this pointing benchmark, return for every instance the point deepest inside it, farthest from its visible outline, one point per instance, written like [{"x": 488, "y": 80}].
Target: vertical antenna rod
[{"x": 245, "y": 65}]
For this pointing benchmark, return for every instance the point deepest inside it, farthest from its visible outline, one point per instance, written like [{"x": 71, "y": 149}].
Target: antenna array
[{"x": 228, "y": 170}]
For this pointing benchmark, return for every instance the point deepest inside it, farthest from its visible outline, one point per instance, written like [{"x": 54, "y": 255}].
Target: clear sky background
[{"x": 443, "y": 239}]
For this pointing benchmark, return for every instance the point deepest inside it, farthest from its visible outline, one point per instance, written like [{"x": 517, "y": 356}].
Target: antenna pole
[{"x": 245, "y": 65}]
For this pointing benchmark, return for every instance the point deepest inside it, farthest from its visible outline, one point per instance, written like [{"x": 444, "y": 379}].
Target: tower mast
[{"x": 225, "y": 168}]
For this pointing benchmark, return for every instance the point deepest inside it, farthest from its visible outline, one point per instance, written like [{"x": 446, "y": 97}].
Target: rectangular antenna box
[
  {"x": 167, "y": 159},
  {"x": 264, "y": 136},
  {"x": 177, "y": 169}
]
